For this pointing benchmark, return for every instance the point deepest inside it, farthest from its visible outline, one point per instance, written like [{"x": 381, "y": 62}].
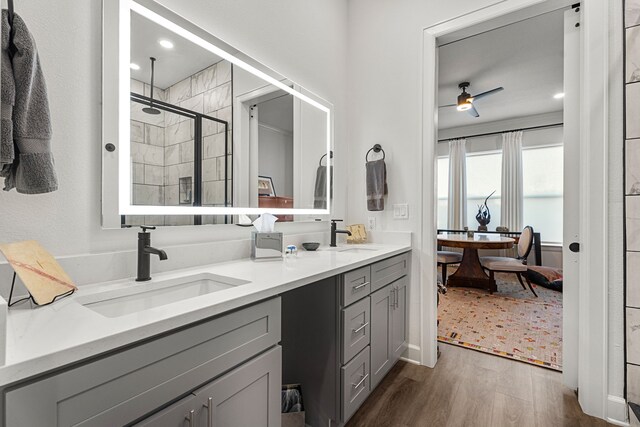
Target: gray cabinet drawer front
[
  {"x": 356, "y": 329},
  {"x": 355, "y": 384},
  {"x": 388, "y": 270},
  {"x": 356, "y": 285},
  {"x": 118, "y": 389}
]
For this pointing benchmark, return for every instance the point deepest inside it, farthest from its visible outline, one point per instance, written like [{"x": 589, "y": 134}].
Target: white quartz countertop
[{"x": 50, "y": 337}]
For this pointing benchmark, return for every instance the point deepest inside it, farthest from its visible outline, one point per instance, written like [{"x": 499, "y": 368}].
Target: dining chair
[
  {"x": 517, "y": 266},
  {"x": 446, "y": 258}
]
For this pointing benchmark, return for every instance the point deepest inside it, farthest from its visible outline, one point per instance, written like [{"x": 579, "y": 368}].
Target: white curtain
[
  {"x": 512, "y": 198},
  {"x": 457, "y": 209}
]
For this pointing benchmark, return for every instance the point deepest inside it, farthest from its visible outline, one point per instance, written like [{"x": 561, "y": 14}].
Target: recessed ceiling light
[
  {"x": 166, "y": 44},
  {"x": 559, "y": 95},
  {"x": 134, "y": 66}
]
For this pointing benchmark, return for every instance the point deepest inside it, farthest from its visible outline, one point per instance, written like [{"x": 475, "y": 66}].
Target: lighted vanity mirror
[{"x": 195, "y": 132}]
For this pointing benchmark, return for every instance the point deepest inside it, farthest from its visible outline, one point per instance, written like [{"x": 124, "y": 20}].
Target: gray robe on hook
[{"x": 26, "y": 161}]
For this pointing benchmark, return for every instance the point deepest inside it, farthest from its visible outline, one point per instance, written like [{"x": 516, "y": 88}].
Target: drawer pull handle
[
  {"x": 397, "y": 297},
  {"x": 364, "y": 378},
  {"x": 355, "y": 288},
  {"x": 190, "y": 417},
  {"x": 392, "y": 298},
  {"x": 209, "y": 406},
  {"x": 364, "y": 325}
]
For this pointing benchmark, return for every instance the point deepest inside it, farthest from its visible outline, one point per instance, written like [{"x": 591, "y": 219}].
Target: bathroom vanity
[{"x": 334, "y": 321}]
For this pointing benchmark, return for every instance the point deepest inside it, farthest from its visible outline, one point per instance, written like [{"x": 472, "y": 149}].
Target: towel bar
[{"x": 376, "y": 149}]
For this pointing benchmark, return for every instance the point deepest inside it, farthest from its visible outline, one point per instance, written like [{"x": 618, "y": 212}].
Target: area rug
[{"x": 510, "y": 323}]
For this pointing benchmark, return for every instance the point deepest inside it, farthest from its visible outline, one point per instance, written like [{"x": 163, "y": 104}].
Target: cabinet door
[
  {"x": 399, "y": 319},
  {"x": 180, "y": 414},
  {"x": 381, "y": 312},
  {"x": 247, "y": 396}
]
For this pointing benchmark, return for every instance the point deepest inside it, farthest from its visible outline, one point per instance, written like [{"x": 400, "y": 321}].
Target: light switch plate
[
  {"x": 401, "y": 211},
  {"x": 371, "y": 224}
]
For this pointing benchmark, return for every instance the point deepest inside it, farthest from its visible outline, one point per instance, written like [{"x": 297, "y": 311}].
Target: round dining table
[{"x": 470, "y": 273}]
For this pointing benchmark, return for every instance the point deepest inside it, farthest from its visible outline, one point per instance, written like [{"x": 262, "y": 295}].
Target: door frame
[{"x": 592, "y": 313}]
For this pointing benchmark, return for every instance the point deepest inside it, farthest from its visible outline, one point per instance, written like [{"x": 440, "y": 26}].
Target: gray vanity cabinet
[
  {"x": 399, "y": 319},
  {"x": 135, "y": 382},
  {"x": 381, "y": 315}
]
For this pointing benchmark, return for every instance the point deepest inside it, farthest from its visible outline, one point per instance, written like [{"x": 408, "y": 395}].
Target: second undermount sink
[{"x": 147, "y": 295}]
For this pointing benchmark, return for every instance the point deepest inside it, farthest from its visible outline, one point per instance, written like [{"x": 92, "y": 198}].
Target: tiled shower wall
[
  {"x": 163, "y": 148},
  {"x": 632, "y": 191}
]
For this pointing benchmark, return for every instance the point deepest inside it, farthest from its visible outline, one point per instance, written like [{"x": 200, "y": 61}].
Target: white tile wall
[
  {"x": 147, "y": 154},
  {"x": 633, "y": 54},
  {"x": 632, "y": 12},
  {"x": 633, "y": 111},
  {"x": 633, "y": 279},
  {"x": 633, "y": 383},
  {"x": 180, "y": 91},
  {"x": 153, "y": 175},
  {"x": 633, "y": 336},
  {"x": 148, "y": 194},
  {"x": 137, "y": 131},
  {"x": 633, "y": 223},
  {"x": 213, "y": 145},
  {"x": 154, "y": 135},
  {"x": 632, "y": 168},
  {"x": 204, "y": 80}
]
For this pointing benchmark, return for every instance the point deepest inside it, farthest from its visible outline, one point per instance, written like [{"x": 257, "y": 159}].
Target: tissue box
[{"x": 266, "y": 245}]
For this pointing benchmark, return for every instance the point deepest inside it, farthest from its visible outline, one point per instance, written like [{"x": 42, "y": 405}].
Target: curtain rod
[{"x": 497, "y": 133}]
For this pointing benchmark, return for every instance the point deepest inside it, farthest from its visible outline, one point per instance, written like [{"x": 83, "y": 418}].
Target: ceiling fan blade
[
  {"x": 487, "y": 93},
  {"x": 473, "y": 112},
  {"x": 448, "y": 105}
]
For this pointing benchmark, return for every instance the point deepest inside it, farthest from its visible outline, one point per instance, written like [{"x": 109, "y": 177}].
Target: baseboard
[
  {"x": 617, "y": 411},
  {"x": 412, "y": 355}
]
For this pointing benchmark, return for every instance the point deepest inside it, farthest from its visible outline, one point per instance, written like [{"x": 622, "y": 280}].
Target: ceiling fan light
[{"x": 464, "y": 106}]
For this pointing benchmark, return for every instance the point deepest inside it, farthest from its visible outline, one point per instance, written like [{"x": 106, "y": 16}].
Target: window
[
  {"x": 542, "y": 170},
  {"x": 484, "y": 172},
  {"x": 542, "y": 184}
]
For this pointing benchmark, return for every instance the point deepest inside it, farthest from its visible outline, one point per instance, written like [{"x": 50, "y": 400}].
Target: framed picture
[{"x": 265, "y": 186}]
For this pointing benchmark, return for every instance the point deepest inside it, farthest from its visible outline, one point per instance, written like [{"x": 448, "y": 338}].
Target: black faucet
[
  {"x": 335, "y": 231},
  {"x": 144, "y": 252}
]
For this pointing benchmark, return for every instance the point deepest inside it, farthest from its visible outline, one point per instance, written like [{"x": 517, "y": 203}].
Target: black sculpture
[{"x": 484, "y": 215}]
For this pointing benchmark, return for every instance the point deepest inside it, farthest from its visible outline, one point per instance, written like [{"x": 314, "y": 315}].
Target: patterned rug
[{"x": 510, "y": 323}]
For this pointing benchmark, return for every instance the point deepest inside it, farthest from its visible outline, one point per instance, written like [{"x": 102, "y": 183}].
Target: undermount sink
[{"x": 147, "y": 295}]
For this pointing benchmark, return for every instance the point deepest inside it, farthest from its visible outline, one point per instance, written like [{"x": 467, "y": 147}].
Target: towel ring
[
  {"x": 325, "y": 155},
  {"x": 376, "y": 149}
]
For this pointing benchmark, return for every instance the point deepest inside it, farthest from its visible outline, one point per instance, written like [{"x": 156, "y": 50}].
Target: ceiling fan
[{"x": 466, "y": 100}]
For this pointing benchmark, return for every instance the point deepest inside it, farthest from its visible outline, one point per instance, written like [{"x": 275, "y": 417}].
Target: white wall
[
  {"x": 276, "y": 158},
  {"x": 304, "y": 41},
  {"x": 385, "y": 91}
]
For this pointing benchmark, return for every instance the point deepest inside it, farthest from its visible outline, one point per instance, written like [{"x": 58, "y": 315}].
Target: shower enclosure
[{"x": 184, "y": 158}]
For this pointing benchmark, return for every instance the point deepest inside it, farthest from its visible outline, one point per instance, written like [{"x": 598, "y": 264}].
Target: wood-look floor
[{"x": 470, "y": 388}]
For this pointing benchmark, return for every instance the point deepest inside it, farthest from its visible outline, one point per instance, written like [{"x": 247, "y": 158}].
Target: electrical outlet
[
  {"x": 372, "y": 223},
  {"x": 401, "y": 211}
]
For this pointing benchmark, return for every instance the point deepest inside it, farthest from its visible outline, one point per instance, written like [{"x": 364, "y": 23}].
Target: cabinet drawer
[
  {"x": 356, "y": 285},
  {"x": 356, "y": 330},
  {"x": 121, "y": 388},
  {"x": 355, "y": 384},
  {"x": 388, "y": 270}
]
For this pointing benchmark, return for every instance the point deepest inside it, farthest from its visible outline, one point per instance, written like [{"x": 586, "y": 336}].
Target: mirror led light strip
[{"x": 126, "y": 208}]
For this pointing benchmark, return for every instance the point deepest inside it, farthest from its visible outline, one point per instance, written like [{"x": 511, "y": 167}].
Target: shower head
[{"x": 151, "y": 110}]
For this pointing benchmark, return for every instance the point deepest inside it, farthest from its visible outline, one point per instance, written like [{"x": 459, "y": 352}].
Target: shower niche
[{"x": 199, "y": 127}]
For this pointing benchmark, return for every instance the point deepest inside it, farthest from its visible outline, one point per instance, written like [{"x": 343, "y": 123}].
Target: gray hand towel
[
  {"x": 376, "y": 185},
  {"x": 25, "y": 150},
  {"x": 320, "y": 189}
]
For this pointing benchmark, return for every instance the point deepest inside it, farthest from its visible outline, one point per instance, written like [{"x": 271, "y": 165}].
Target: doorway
[{"x": 500, "y": 162}]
